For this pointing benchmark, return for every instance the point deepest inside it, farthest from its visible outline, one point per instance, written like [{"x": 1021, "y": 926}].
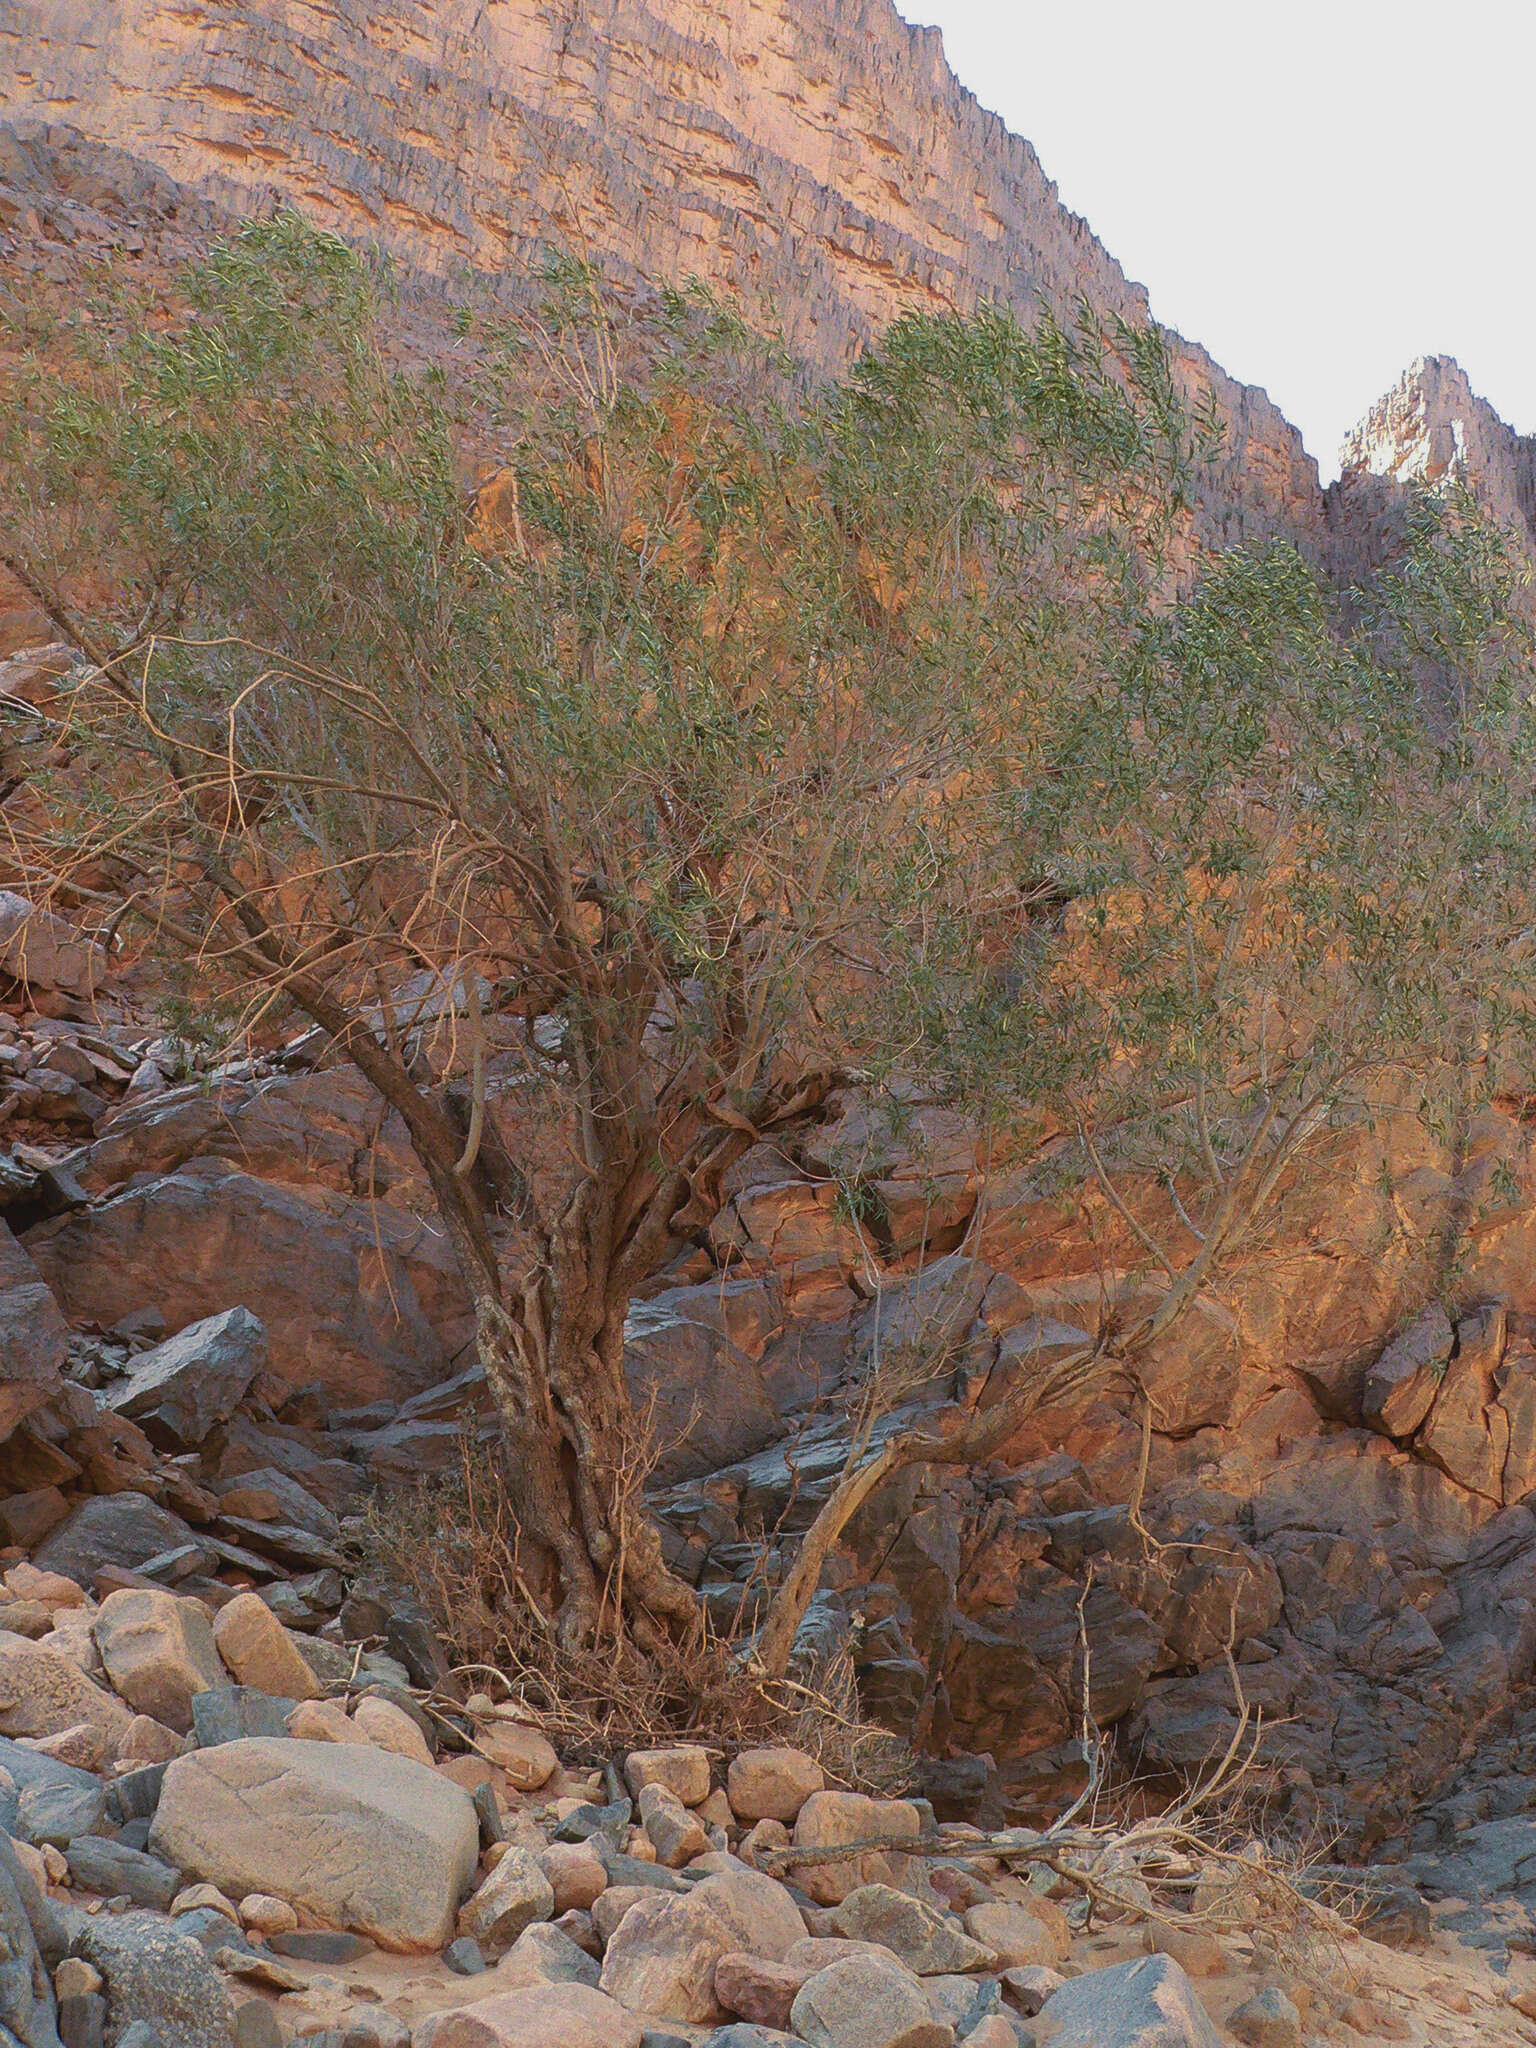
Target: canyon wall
[{"x": 816, "y": 158}]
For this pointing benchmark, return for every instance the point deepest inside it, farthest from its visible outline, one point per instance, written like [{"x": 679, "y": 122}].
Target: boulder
[
  {"x": 53, "y": 1811},
  {"x": 34, "y": 1338},
  {"x": 107, "y": 1867},
  {"x": 159, "y": 1652},
  {"x": 43, "y": 1692},
  {"x": 326, "y": 1128},
  {"x": 42, "y": 952},
  {"x": 542, "y": 2016},
  {"x": 351, "y": 1836},
  {"x": 324, "y": 1721},
  {"x": 757, "y": 1990},
  {"x": 514, "y": 1896},
  {"x": 1467, "y": 1432},
  {"x": 707, "y": 1399},
  {"x": 259, "y": 1652},
  {"x": 759, "y": 1910},
  {"x": 866, "y": 2002},
  {"x": 684, "y": 1771},
  {"x": 363, "y": 1297},
  {"x": 1149, "y": 2003},
  {"x": 993, "y": 2031},
  {"x": 673, "y": 1832},
  {"x": 269, "y": 1494},
  {"x": 545, "y": 1954},
  {"x": 576, "y": 1874},
  {"x": 1267, "y": 2020},
  {"x": 523, "y": 1753},
  {"x": 772, "y": 1784},
  {"x": 390, "y": 1727},
  {"x": 26, "y": 1518},
  {"x": 183, "y": 1387},
  {"x": 929, "y": 1942},
  {"x": 234, "y": 1712},
  {"x": 1017, "y": 1936},
  {"x": 157, "y": 1976},
  {"x": 831, "y": 1820},
  {"x": 125, "y": 1529},
  {"x": 662, "y": 1956},
  {"x": 1400, "y": 1387}
]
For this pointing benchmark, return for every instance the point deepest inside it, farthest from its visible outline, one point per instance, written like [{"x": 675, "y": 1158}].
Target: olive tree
[
  {"x": 712, "y": 734},
  {"x": 655, "y": 747}
]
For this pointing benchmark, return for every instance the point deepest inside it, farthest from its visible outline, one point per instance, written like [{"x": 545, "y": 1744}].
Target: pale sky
[{"x": 1318, "y": 192}]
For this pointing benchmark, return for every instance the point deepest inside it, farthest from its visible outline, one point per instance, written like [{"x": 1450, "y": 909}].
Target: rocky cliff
[
  {"x": 1430, "y": 428},
  {"x": 820, "y": 161}
]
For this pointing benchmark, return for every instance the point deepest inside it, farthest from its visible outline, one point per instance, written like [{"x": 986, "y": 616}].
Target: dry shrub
[{"x": 450, "y": 1543}]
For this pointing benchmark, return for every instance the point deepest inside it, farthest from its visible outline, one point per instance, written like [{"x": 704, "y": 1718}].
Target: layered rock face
[
  {"x": 1430, "y": 428},
  {"x": 819, "y": 161}
]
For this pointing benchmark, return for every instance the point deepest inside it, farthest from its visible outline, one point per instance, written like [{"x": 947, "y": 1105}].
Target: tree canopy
[{"x": 722, "y": 732}]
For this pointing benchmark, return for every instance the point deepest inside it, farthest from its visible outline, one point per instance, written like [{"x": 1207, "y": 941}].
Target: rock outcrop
[{"x": 1430, "y": 428}]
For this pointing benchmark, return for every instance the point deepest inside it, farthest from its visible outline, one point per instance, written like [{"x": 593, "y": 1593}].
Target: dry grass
[{"x": 450, "y": 1544}]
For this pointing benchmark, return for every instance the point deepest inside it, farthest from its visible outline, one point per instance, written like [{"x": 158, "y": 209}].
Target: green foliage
[{"x": 745, "y": 726}]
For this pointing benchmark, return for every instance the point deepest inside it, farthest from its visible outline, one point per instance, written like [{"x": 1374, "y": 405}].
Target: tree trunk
[{"x": 576, "y": 1460}]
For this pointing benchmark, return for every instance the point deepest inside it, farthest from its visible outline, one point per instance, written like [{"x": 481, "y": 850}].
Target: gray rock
[
  {"x": 26, "y": 1767},
  {"x": 34, "y": 1338},
  {"x": 29, "y": 1940},
  {"x": 182, "y": 1388},
  {"x": 925, "y": 1939},
  {"x": 1149, "y": 2003},
  {"x": 255, "y": 2025},
  {"x": 866, "y": 2001},
  {"x": 295, "y": 1549},
  {"x": 585, "y": 1823},
  {"x": 157, "y": 1975},
  {"x": 110, "y": 1528},
  {"x": 54, "y": 1811},
  {"x": 514, "y": 1896},
  {"x": 1267, "y": 2020},
  {"x": 297, "y": 1506},
  {"x": 330, "y": 1663},
  {"x": 83, "y": 2021},
  {"x": 107, "y": 1867},
  {"x": 963, "y": 2001},
  {"x": 550, "y": 1953},
  {"x": 375, "y": 2026},
  {"x": 464, "y": 1957},
  {"x": 234, "y": 1713},
  {"x": 351, "y": 1835},
  {"x": 489, "y": 1815},
  {"x": 213, "y": 1931},
  {"x": 135, "y": 1795},
  {"x": 320, "y": 1945}
]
